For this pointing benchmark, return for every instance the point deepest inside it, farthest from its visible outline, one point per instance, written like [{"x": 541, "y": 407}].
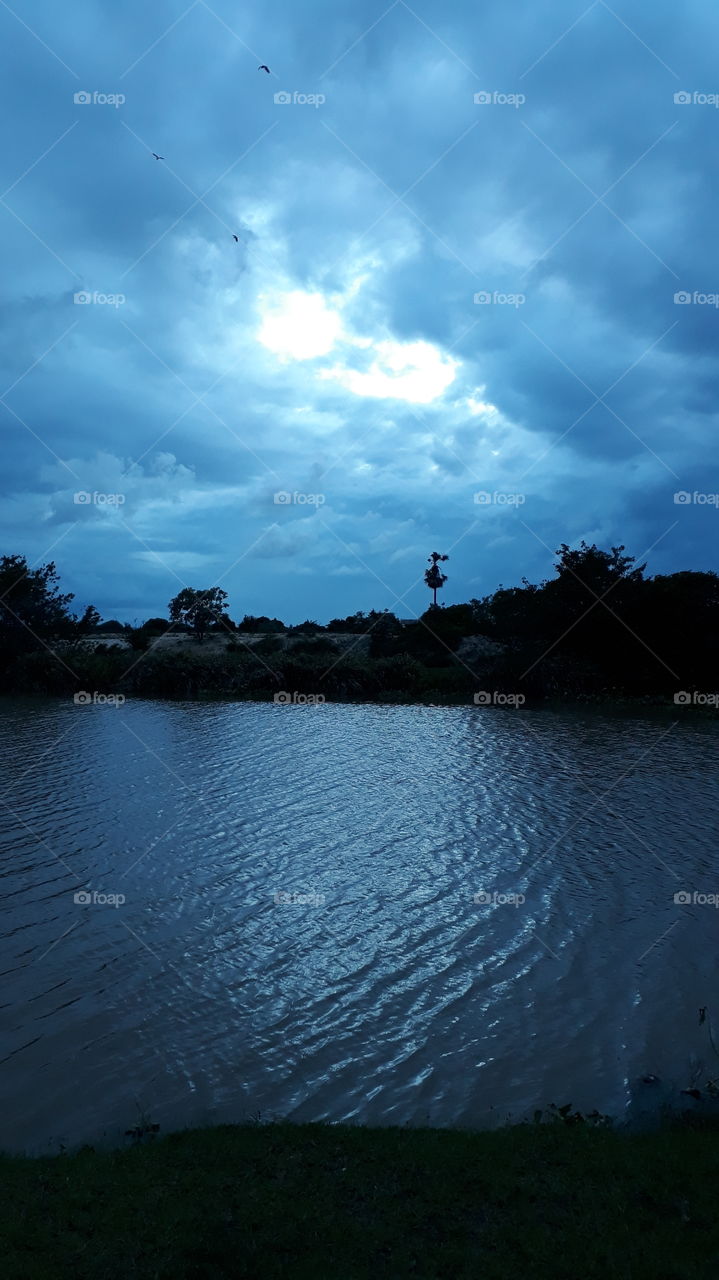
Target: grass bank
[
  {"x": 307, "y": 670},
  {"x": 334, "y": 1203}
]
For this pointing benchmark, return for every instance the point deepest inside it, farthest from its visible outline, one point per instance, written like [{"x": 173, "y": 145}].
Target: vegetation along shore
[
  {"x": 600, "y": 631},
  {"x": 549, "y": 1200}
]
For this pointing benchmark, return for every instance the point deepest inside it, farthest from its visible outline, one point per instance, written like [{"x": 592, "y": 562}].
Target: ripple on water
[{"x": 391, "y": 994}]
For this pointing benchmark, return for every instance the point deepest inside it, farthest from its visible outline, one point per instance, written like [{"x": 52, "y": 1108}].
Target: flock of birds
[{"x": 262, "y": 67}]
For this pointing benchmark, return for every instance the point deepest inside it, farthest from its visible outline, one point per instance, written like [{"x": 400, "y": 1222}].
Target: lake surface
[{"x": 300, "y": 934}]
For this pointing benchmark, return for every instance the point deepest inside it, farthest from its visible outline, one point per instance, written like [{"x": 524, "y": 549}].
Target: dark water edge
[
  {"x": 653, "y": 1106},
  {"x": 640, "y": 705}
]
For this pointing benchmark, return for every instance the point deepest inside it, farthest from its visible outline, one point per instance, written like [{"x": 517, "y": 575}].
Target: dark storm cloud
[{"x": 392, "y": 204}]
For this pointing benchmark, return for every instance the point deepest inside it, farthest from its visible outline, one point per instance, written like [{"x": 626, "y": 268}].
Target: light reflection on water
[{"x": 391, "y": 996}]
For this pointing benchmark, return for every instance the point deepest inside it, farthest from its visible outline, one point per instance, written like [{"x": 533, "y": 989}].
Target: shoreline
[
  {"x": 349, "y": 668},
  {"x": 654, "y": 707},
  {"x": 553, "y": 1200},
  {"x": 588, "y": 702}
]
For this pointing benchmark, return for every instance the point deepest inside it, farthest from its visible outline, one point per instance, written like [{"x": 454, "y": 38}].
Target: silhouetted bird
[
  {"x": 158, "y": 157},
  {"x": 235, "y": 238},
  {"x": 264, "y": 68}
]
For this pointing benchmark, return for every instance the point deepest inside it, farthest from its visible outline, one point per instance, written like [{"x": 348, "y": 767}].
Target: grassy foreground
[{"x": 333, "y": 1203}]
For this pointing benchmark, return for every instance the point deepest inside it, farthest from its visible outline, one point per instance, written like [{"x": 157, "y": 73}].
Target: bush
[
  {"x": 306, "y": 628},
  {"x": 263, "y": 623},
  {"x": 312, "y": 646},
  {"x": 269, "y": 646},
  {"x": 156, "y": 626},
  {"x": 138, "y": 638}
]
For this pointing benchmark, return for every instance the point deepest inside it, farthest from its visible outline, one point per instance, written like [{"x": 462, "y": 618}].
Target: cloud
[
  {"x": 415, "y": 372},
  {"x": 301, "y": 326},
  {"x": 337, "y": 348}
]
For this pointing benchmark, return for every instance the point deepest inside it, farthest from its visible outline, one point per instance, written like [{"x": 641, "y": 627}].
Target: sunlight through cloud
[
  {"x": 300, "y": 326},
  {"x": 412, "y": 371}
]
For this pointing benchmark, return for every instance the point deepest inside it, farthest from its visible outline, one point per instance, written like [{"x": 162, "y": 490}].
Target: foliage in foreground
[{"x": 550, "y": 1201}]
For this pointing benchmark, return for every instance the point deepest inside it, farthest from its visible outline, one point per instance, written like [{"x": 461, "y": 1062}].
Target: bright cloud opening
[
  {"x": 300, "y": 327},
  {"x": 411, "y": 371}
]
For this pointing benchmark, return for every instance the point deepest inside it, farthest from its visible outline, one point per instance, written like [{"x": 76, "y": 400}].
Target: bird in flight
[
  {"x": 158, "y": 157},
  {"x": 264, "y": 68},
  {"x": 235, "y": 238}
]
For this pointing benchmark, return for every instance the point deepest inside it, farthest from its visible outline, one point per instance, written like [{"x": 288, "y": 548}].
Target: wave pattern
[{"x": 385, "y": 914}]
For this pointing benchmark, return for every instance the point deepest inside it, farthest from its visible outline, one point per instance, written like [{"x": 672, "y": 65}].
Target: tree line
[{"x": 600, "y": 626}]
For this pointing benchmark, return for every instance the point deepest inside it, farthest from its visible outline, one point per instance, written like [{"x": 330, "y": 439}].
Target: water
[{"x": 390, "y": 996}]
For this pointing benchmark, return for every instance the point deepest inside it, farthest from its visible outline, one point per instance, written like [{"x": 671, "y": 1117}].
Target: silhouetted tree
[
  {"x": 33, "y": 610},
  {"x": 89, "y": 622},
  {"x": 198, "y": 610},
  {"x": 386, "y": 634},
  {"x": 307, "y": 628},
  {"x": 354, "y": 623},
  {"x": 433, "y": 576},
  {"x": 598, "y": 627},
  {"x": 261, "y": 624}
]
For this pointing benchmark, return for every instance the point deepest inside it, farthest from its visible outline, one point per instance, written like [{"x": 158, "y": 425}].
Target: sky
[{"x": 471, "y": 308}]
